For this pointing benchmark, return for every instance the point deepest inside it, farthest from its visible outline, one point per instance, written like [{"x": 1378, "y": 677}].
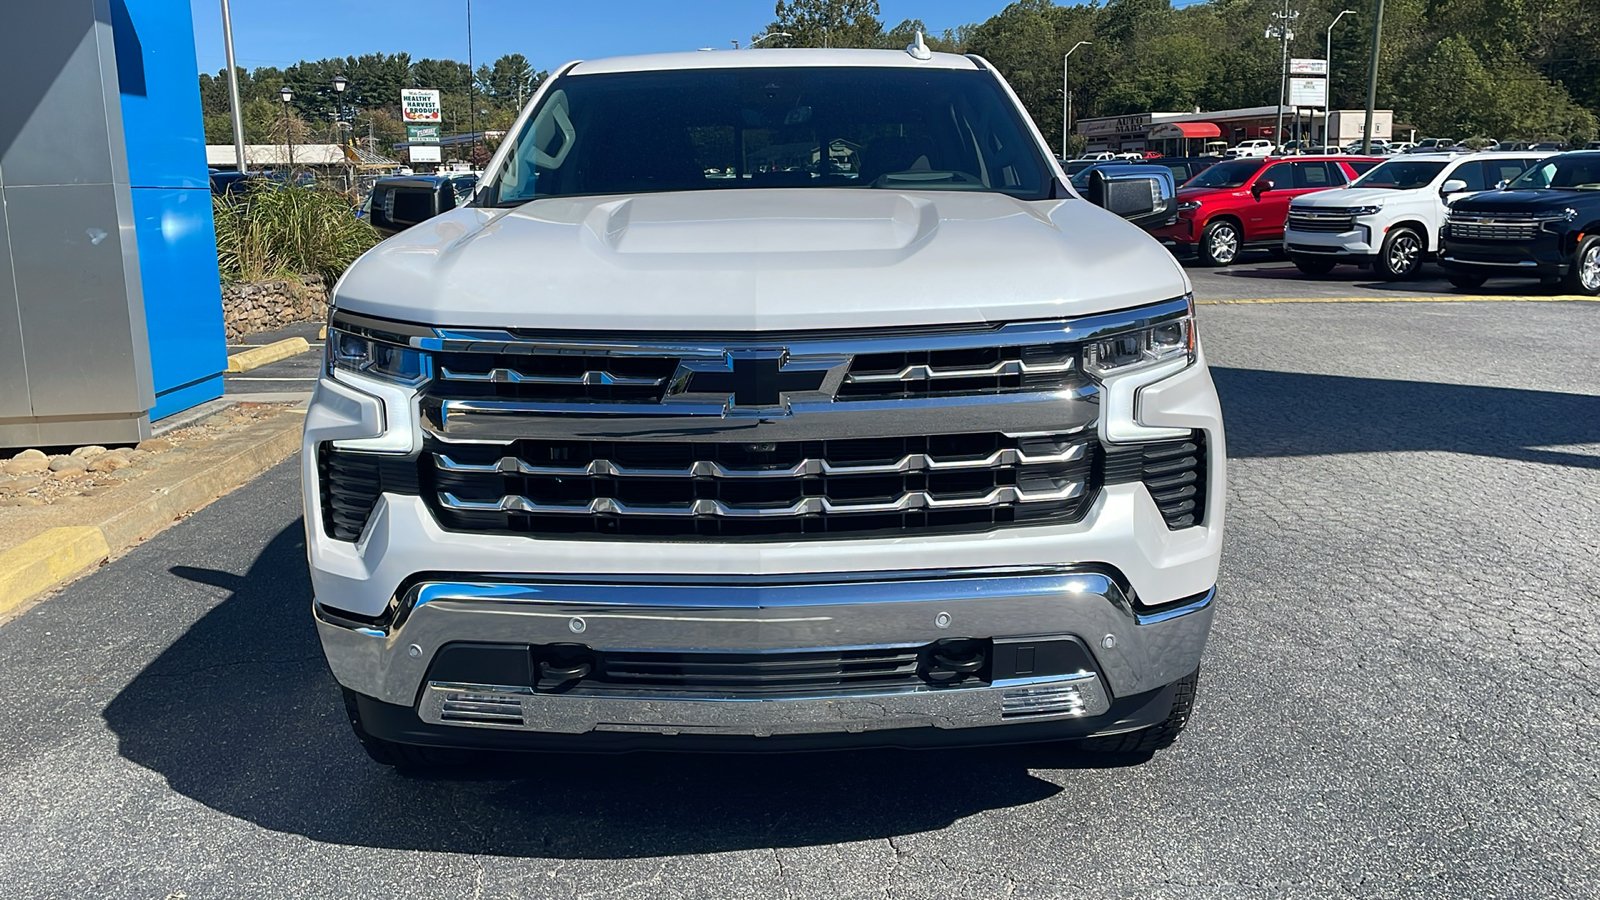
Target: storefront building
[{"x": 1197, "y": 133}]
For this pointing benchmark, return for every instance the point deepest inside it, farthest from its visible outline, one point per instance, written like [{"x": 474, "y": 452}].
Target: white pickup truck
[
  {"x": 1390, "y": 218},
  {"x": 778, "y": 399}
]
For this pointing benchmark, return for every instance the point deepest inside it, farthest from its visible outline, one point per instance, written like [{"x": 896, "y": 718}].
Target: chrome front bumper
[{"x": 1136, "y": 650}]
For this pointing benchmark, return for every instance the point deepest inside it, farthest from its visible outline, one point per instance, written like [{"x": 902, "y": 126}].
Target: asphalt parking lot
[{"x": 1401, "y": 697}]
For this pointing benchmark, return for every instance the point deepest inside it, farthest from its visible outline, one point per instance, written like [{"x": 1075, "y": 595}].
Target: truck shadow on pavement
[
  {"x": 241, "y": 714},
  {"x": 1271, "y": 414}
]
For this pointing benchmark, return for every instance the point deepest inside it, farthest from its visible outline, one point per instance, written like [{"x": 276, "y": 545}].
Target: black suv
[{"x": 1545, "y": 225}]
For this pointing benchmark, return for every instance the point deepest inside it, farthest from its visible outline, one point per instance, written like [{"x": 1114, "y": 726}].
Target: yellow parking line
[{"x": 1452, "y": 298}]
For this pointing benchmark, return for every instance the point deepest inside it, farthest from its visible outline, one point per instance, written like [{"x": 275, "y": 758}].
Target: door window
[
  {"x": 1472, "y": 174},
  {"x": 1504, "y": 170},
  {"x": 1314, "y": 176},
  {"x": 1281, "y": 176}
]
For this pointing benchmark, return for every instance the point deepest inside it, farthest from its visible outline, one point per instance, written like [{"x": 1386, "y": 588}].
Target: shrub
[{"x": 287, "y": 231}]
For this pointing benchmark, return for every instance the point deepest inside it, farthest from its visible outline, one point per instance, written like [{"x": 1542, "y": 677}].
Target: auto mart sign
[{"x": 419, "y": 105}]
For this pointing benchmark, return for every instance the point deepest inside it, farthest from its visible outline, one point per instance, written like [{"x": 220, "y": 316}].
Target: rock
[
  {"x": 29, "y": 466},
  {"x": 74, "y": 475},
  {"x": 154, "y": 445},
  {"x": 136, "y": 455},
  {"x": 89, "y": 452},
  {"x": 109, "y": 462},
  {"x": 62, "y": 464},
  {"x": 22, "y": 484},
  {"x": 31, "y": 454}
]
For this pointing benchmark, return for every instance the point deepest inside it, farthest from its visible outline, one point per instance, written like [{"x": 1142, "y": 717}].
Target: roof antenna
[{"x": 918, "y": 49}]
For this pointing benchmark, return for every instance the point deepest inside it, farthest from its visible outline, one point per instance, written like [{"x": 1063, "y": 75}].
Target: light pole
[
  {"x": 287, "y": 95},
  {"x": 1066, "y": 110},
  {"x": 755, "y": 41},
  {"x": 1281, "y": 30},
  {"x": 233, "y": 90},
  {"x": 339, "y": 84},
  {"x": 1327, "y": 100}
]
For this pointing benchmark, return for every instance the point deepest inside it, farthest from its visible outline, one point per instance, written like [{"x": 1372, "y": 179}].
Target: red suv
[{"x": 1242, "y": 202}]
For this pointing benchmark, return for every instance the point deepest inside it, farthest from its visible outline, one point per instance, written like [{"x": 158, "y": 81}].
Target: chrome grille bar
[
  {"x": 910, "y": 500},
  {"x": 512, "y": 376},
  {"x": 928, "y": 373},
  {"x": 915, "y": 462}
]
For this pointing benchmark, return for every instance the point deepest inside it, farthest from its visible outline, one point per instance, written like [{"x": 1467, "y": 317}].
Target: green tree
[{"x": 826, "y": 23}]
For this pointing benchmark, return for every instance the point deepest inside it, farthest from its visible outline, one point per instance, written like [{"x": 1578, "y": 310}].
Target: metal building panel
[
  {"x": 183, "y": 307},
  {"x": 84, "y": 333},
  {"x": 161, "y": 122},
  {"x": 55, "y": 128},
  {"x": 13, "y": 370}
]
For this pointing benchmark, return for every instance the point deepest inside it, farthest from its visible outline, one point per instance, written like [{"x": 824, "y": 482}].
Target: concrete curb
[
  {"x": 48, "y": 559},
  {"x": 256, "y": 357},
  {"x": 59, "y": 555}
]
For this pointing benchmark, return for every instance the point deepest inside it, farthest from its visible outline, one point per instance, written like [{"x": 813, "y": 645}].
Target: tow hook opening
[{"x": 954, "y": 660}]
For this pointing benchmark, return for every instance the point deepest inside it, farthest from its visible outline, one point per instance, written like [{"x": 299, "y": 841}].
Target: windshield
[
  {"x": 722, "y": 129},
  {"x": 1225, "y": 175},
  {"x": 1401, "y": 175},
  {"x": 1579, "y": 174}
]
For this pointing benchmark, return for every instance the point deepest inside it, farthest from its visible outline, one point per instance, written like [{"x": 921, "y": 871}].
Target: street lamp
[
  {"x": 339, "y": 84},
  {"x": 770, "y": 34},
  {"x": 1283, "y": 31},
  {"x": 1066, "y": 113},
  {"x": 287, "y": 95},
  {"x": 1327, "y": 100}
]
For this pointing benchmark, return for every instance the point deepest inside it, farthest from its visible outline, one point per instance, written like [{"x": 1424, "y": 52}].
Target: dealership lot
[{"x": 1399, "y": 699}]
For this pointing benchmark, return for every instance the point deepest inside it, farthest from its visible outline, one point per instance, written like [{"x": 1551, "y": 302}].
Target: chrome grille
[
  {"x": 1329, "y": 222},
  {"x": 687, "y": 489},
  {"x": 557, "y": 377},
  {"x": 976, "y": 370},
  {"x": 1487, "y": 229}
]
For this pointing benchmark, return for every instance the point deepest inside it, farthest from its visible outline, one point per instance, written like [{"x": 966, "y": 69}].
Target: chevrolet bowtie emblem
[{"x": 756, "y": 379}]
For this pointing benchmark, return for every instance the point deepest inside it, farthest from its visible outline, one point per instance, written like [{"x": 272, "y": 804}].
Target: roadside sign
[
  {"x": 422, "y": 134},
  {"x": 1308, "y": 92},
  {"x": 425, "y": 153},
  {"x": 419, "y": 105},
  {"x": 1308, "y": 67}
]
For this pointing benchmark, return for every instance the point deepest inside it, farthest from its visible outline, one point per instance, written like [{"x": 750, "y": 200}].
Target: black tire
[
  {"x": 1584, "y": 279},
  {"x": 1313, "y": 265},
  {"x": 1400, "y": 258},
  {"x": 406, "y": 759},
  {"x": 1220, "y": 243},
  {"x": 1467, "y": 281},
  {"x": 1145, "y": 741}
]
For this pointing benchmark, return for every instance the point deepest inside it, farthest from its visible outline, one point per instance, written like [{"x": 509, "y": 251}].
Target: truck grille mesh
[
  {"x": 1495, "y": 230},
  {"x": 1173, "y": 471},
  {"x": 1321, "y": 224},
  {"x": 730, "y": 490}
]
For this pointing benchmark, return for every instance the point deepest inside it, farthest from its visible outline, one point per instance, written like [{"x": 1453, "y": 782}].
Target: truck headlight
[
  {"x": 1360, "y": 211},
  {"x": 1148, "y": 347},
  {"x": 359, "y": 354},
  {"x": 1189, "y": 206}
]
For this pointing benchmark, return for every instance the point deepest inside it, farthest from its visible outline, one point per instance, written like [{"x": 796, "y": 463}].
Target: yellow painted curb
[
  {"x": 256, "y": 357},
  {"x": 1448, "y": 298},
  {"x": 46, "y": 560},
  {"x": 323, "y": 334}
]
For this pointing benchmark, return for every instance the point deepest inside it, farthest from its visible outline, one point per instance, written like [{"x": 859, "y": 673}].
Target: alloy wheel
[
  {"x": 1589, "y": 269},
  {"x": 1405, "y": 254},
  {"x": 1224, "y": 244}
]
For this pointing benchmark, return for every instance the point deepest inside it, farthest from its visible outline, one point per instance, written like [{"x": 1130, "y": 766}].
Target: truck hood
[
  {"x": 1339, "y": 198},
  {"x": 760, "y": 260},
  {"x": 1530, "y": 201}
]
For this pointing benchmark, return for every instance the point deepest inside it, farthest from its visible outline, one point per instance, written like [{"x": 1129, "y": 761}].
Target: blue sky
[{"x": 548, "y": 32}]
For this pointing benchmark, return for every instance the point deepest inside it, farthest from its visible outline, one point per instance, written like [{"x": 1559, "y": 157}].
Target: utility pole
[
  {"x": 472, "y": 94},
  {"x": 1283, "y": 32},
  {"x": 233, "y": 89},
  {"x": 1327, "y": 97},
  {"x": 1372, "y": 78},
  {"x": 1066, "y": 92}
]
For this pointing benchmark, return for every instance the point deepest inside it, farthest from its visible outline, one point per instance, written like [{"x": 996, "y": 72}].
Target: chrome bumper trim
[
  {"x": 1510, "y": 264},
  {"x": 751, "y": 613},
  {"x": 1010, "y": 702}
]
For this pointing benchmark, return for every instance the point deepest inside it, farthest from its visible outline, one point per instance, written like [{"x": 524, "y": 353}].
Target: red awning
[{"x": 1185, "y": 130}]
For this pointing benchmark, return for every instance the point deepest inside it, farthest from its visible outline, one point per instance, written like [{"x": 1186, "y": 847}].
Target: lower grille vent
[
  {"x": 351, "y": 484},
  {"x": 1173, "y": 471}
]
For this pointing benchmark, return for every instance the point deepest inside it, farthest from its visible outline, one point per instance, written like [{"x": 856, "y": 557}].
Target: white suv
[
  {"x": 1250, "y": 149},
  {"x": 1390, "y": 217}
]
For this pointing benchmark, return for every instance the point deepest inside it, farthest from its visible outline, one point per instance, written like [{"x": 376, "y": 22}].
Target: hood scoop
[{"x": 815, "y": 220}]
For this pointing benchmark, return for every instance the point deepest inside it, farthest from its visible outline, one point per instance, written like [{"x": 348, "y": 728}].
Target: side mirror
[
  {"x": 1261, "y": 187},
  {"x": 1144, "y": 195},
  {"x": 1502, "y": 184},
  {"x": 402, "y": 203},
  {"x": 1453, "y": 186}
]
